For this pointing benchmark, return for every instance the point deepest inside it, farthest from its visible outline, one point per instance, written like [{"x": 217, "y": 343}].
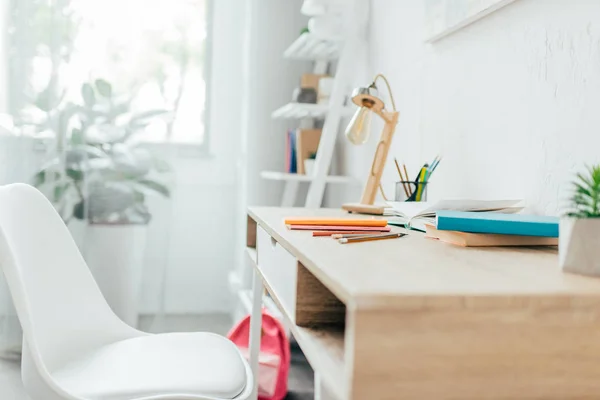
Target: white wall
[
  {"x": 193, "y": 234},
  {"x": 512, "y": 101},
  {"x": 200, "y": 236},
  {"x": 269, "y": 80}
]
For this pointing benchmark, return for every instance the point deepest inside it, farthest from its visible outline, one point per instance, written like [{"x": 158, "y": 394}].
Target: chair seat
[{"x": 182, "y": 365}]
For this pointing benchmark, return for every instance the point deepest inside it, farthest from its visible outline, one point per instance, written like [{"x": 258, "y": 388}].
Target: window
[{"x": 151, "y": 53}]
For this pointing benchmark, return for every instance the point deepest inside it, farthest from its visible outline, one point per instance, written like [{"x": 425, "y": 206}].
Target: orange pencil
[{"x": 335, "y": 221}]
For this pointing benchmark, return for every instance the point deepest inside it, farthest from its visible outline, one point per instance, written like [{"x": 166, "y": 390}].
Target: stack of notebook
[
  {"x": 493, "y": 229},
  {"x": 476, "y": 222},
  {"x": 415, "y": 215}
]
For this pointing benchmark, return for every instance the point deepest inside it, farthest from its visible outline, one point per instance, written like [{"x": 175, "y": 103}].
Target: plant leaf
[
  {"x": 585, "y": 201},
  {"x": 39, "y": 178},
  {"x": 155, "y": 186},
  {"x": 161, "y": 165},
  {"x": 76, "y": 136},
  {"x": 79, "y": 210},
  {"x": 87, "y": 92},
  {"x": 60, "y": 190},
  {"x": 75, "y": 174},
  {"x": 104, "y": 88}
]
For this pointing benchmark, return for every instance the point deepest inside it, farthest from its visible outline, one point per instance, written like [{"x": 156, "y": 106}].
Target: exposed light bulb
[{"x": 359, "y": 128}]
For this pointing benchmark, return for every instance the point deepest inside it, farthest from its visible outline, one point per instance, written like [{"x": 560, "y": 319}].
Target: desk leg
[
  {"x": 321, "y": 392},
  {"x": 255, "y": 329}
]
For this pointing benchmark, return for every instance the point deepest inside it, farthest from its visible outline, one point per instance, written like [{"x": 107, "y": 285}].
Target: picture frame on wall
[{"x": 444, "y": 17}]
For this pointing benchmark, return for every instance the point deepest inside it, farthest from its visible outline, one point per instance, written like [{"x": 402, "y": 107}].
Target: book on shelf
[
  {"x": 300, "y": 145},
  {"x": 307, "y": 143},
  {"x": 290, "y": 159}
]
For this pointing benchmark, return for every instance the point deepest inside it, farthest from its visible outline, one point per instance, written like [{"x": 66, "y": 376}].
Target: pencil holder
[{"x": 416, "y": 191}]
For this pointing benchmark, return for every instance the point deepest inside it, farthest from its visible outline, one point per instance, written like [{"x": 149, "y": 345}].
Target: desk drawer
[{"x": 279, "y": 269}]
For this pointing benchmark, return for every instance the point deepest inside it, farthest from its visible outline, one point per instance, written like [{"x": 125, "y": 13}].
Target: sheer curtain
[
  {"x": 14, "y": 167},
  {"x": 109, "y": 99},
  {"x": 10, "y": 331}
]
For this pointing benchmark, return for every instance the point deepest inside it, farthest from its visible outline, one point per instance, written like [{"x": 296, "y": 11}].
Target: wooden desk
[{"x": 412, "y": 318}]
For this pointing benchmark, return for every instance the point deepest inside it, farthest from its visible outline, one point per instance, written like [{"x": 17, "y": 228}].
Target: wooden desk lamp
[{"x": 358, "y": 131}]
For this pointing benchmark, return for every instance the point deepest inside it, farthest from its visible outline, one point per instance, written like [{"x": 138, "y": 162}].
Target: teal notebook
[{"x": 498, "y": 223}]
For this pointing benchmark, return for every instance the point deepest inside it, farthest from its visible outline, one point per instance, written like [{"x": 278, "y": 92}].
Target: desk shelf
[{"x": 323, "y": 346}]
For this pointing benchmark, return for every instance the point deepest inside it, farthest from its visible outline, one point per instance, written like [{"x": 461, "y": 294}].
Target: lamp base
[{"x": 371, "y": 209}]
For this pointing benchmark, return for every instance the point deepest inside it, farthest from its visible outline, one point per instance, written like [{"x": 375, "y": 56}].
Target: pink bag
[{"x": 274, "y": 356}]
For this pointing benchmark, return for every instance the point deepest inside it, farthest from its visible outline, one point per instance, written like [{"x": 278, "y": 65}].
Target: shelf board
[
  {"x": 306, "y": 110},
  {"x": 282, "y": 176},
  {"x": 311, "y": 47}
]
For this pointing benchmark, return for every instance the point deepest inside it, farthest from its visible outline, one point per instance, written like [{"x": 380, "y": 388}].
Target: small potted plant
[{"x": 579, "y": 249}]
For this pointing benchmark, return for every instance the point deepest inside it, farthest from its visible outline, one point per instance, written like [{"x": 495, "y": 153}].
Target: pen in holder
[
  {"x": 417, "y": 191},
  {"x": 407, "y": 190}
]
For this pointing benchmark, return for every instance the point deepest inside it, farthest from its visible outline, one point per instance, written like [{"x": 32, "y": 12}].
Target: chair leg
[{"x": 255, "y": 330}]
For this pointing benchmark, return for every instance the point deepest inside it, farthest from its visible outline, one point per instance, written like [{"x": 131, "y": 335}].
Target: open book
[{"x": 415, "y": 215}]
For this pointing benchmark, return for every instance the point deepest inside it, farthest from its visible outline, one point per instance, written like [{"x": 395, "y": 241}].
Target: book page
[{"x": 410, "y": 210}]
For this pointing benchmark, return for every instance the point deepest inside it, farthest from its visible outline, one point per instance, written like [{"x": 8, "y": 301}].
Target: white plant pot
[
  {"x": 78, "y": 229},
  {"x": 115, "y": 255},
  {"x": 579, "y": 246}
]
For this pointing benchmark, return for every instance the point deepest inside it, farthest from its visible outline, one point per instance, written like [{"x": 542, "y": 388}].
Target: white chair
[{"x": 74, "y": 346}]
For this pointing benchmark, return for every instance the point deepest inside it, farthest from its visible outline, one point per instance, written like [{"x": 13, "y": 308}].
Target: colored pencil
[
  {"x": 359, "y": 234},
  {"x": 420, "y": 180},
  {"x": 339, "y": 228},
  {"x": 335, "y": 221},
  {"x": 330, "y": 233},
  {"x": 402, "y": 178},
  {"x": 371, "y": 237},
  {"x": 408, "y": 179}
]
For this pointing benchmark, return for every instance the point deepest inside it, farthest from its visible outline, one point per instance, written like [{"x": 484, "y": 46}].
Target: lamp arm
[{"x": 388, "y": 88}]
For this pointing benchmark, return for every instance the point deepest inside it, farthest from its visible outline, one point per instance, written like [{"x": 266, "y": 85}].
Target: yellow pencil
[{"x": 420, "y": 183}]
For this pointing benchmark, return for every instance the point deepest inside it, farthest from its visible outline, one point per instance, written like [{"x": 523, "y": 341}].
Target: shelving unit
[
  {"x": 336, "y": 57},
  {"x": 323, "y": 52},
  {"x": 282, "y": 176},
  {"x": 304, "y": 110},
  {"x": 311, "y": 47}
]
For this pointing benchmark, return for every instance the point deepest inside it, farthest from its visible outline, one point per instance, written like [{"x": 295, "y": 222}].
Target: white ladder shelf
[{"x": 321, "y": 51}]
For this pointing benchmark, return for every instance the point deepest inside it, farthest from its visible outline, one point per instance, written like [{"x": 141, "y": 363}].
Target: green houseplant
[
  {"x": 99, "y": 172},
  {"x": 580, "y": 227}
]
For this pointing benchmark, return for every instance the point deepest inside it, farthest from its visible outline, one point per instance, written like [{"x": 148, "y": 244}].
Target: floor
[
  {"x": 10, "y": 381},
  {"x": 300, "y": 380}
]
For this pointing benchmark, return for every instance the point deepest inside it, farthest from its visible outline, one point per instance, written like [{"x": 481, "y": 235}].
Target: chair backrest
[{"x": 60, "y": 306}]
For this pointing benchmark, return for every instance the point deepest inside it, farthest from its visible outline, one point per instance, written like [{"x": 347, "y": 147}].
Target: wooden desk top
[{"x": 413, "y": 272}]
